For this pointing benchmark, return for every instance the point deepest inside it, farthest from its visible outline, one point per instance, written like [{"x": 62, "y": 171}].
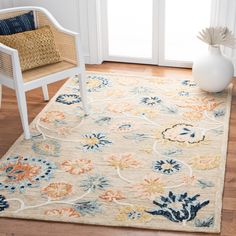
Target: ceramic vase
[{"x": 213, "y": 72}]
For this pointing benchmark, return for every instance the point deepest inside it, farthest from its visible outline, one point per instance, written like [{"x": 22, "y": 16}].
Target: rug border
[{"x": 224, "y": 152}]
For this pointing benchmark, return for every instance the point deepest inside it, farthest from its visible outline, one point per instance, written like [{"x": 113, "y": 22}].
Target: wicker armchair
[{"x": 72, "y": 63}]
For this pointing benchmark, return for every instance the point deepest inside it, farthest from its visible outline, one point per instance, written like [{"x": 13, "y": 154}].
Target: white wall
[{"x": 6, "y": 4}]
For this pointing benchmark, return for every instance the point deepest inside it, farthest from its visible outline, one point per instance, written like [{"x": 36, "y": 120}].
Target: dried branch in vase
[{"x": 216, "y": 36}]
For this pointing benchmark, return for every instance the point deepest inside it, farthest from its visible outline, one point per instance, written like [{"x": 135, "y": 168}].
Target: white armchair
[{"x": 72, "y": 63}]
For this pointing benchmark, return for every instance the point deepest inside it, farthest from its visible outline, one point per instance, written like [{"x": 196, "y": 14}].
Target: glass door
[{"x": 160, "y": 32}]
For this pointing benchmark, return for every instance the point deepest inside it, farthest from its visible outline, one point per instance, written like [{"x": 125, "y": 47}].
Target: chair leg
[
  {"x": 0, "y": 95},
  {"x": 45, "y": 92},
  {"x": 83, "y": 91},
  {"x": 22, "y": 106}
]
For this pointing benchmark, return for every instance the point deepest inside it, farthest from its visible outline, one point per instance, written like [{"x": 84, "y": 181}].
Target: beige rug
[{"x": 151, "y": 155}]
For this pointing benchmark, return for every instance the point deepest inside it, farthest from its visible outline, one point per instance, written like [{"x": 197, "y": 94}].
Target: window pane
[
  {"x": 130, "y": 28},
  {"x": 183, "y": 20}
]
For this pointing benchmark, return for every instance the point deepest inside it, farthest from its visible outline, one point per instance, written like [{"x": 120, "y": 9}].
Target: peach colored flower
[
  {"x": 57, "y": 191},
  {"x": 151, "y": 187},
  {"x": 123, "y": 161},
  {"x": 77, "y": 167},
  {"x": 189, "y": 179},
  {"x": 111, "y": 195},
  {"x": 205, "y": 162},
  {"x": 65, "y": 212},
  {"x": 193, "y": 116},
  {"x": 119, "y": 108},
  {"x": 63, "y": 130},
  {"x": 52, "y": 116}
]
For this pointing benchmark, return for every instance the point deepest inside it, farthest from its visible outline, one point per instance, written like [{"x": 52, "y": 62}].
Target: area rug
[{"x": 151, "y": 154}]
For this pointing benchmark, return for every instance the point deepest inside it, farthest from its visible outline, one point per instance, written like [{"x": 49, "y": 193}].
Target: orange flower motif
[
  {"x": 110, "y": 195},
  {"x": 123, "y": 161},
  {"x": 77, "y": 167},
  {"x": 52, "y": 116},
  {"x": 65, "y": 212},
  {"x": 189, "y": 179},
  {"x": 151, "y": 187},
  {"x": 56, "y": 191}
]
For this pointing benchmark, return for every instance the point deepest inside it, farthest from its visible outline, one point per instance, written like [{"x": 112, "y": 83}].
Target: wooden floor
[{"x": 10, "y": 129}]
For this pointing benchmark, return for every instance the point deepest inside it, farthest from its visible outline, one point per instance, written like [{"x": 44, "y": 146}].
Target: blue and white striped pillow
[{"x": 17, "y": 24}]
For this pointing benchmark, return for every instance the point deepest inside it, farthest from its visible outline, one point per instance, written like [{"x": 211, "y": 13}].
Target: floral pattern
[
  {"x": 151, "y": 101},
  {"x": 88, "y": 207},
  {"x": 3, "y": 203},
  {"x": 205, "y": 162},
  {"x": 56, "y": 191},
  {"x": 151, "y": 187},
  {"x": 123, "y": 161},
  {"x": 94, "y": 182},
  {"x": 68, "y": 99},
  {"x": 183, "y": 133},
  {"x": 94, "y": 141},
  {"x": 77, "y": 167},
  {"x": 148, "y": 155},
  {"x": 111, "y": 195},
  {"x": 133, "y": 214},
  {"x": 47, "y": 148},
  {"x": 178, "y": 207},
  {"x": 20, "y": 173},
  {"x": 168, "y": 166},
  {"x": 63, "y": 212}
]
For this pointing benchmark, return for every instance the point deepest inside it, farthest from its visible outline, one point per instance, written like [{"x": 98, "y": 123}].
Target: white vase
[{"x": 213, "y": 72}]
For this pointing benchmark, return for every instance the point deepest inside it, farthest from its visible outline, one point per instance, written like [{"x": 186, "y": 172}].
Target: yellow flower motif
[
  {"x": 133, "y": 214},
  {"x": 65, "y": 212},
  {"x": 119, "y": 108},
  {"x": 111, "y": 195},
  {"x": 205, "y": 162},
  {"x": 151, "y": 187},
  {"x": 56, "y": 191},
  {"x": 149, "y": 112},
  {"x": 193, "y": 116},
  {"x": 77, "y": 167},
  {"x": 123, "y": 161}
]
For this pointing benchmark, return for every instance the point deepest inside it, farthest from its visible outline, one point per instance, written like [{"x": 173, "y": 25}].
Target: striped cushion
[{"x": 17, "y": 24}]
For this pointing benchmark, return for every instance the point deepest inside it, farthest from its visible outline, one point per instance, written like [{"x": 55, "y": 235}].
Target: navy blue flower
[
  {"x": 3, "y": 203},
  {"x": 188, "y": 83},
  {"x": 167, "y": 166},
  {"x": 68, "y": 99},
  {"x": 178, "y": 207},
  {"x": 94, "y": 182},
  {"x": 95, "y": 141},
  {"x": 87, "y": 207},
  {"x": 219, "y": 113},
  {"x": 151, "y": 101}
]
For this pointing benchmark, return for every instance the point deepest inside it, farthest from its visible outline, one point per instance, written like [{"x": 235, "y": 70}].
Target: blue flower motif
[
  {"x": 21, "y": 172},
  {"x": 219, "y": 113},
  {"x": 188, "y": 83},
  {"x": 68, "y": 99},
  {"x": 88, "y": 207},
  {"x": 95, "y": 141},
  {"x": 103, "y": 120},
  {"x": 206, "y": 222},
  {"x": 95, "y": 83},
  {"x": 183, "y": 94},
  {"x": 3, "y": 203},
  {"x": 172, "y": 152},
  {"x": 47, "y": 147},
  {"x": 168, "y": 166},
  {"x": 151, "y": 101},
  {"x": 94, "y": 182},
  {"x": 178, "y": 207}
]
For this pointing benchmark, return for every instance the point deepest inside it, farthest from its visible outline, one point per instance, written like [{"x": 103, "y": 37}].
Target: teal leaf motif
[
  {"x": 205, "y": 184},
  {"x": 207, "y": 222}
]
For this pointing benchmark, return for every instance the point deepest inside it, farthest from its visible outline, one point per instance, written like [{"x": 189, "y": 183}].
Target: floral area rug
[{"x": 151, "y": 154}]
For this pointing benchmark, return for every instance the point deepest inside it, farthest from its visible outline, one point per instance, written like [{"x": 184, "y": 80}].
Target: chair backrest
[{"x": 43, "y": 17}]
